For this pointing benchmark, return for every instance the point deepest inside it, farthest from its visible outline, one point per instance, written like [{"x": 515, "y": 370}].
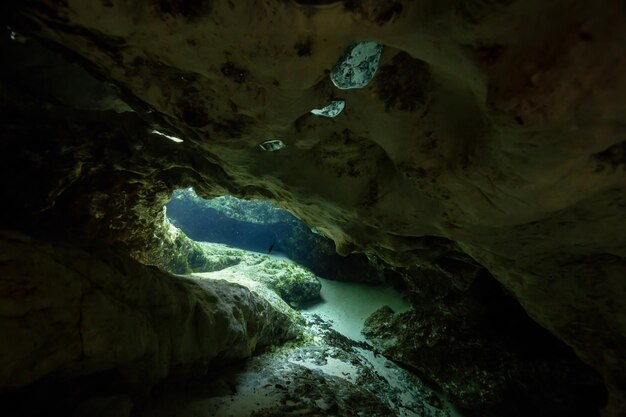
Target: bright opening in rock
[
  {"x": 260, "y": 226},
  {"x": 277, "y": 257},
  {"x": 344, "y": 311}
]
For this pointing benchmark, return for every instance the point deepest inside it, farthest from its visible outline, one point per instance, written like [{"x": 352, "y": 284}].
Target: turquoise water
[{"x": 348, "y": 304}]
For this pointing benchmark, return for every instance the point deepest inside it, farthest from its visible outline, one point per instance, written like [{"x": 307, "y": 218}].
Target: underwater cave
[{"x": 286, "y": 208}]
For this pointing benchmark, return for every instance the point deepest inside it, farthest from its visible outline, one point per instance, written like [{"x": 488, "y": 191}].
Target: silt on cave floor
[
  {"x": 329, "y": 370},
  {"x": 469, "y": 155},
  {"x": 492, "y": 376}
]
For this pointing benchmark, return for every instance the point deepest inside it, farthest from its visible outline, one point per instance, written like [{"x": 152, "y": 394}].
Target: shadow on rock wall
[{"x": 477, "y": 344}]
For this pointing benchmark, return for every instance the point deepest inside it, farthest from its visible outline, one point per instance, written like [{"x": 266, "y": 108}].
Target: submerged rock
[
  {"x": 357, "y": 66},
  {"x": 325, "y": 374},
  {"x": 332, "y": 110},
  {"x": 220, "y": 256},
  {"x": 294, "y": 283},
  {"x": 291, "y": 282},
  {"x": 178, "y": 254},
  {"x": 86, "y": 313}
]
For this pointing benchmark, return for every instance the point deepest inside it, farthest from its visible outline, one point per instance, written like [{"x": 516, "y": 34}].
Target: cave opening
[
  {"x": 254, "y": 225},
  {"x": 262, "y": 227},
  {"x": 386, "y": 320},
  {"x": 351, "y": 289},
  {"x": 275, "y": 255}
]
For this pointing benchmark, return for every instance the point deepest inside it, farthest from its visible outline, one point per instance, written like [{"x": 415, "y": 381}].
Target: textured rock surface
[
  {"x": 327, "y": 374},
  {"x": 291, "y": 282},
  {"x": 69, "y": 313},
  {"x": 178, "y": 254},
  {"x": 496, "y": 126},
  {"x": 478, "y": 345}
]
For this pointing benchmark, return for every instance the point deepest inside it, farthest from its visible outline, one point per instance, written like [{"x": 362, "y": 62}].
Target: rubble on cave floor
[
  {"x": 330, "y": 371},
  {"x": 325, "y": 374}
]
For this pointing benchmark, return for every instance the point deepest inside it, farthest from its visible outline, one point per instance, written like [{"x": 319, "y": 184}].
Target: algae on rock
[
  {"x": 180, "y": 255},
  {"x": 255, "y": 224},
  {"x": 484, "y": 352},
  {"x": 88, "y": 312},
  {"x": 293, "y": 283},
  {"x": 249, "y": 211}
]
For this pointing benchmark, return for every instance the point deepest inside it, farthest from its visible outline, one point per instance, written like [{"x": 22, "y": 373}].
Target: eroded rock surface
[
  {"x": 178, "y": 254},
  {"x": 293, "y": 283},
  {"x": 326, "y": 374},
  {"x": 69, "y": 313},
  {"x": 479, "y": 346}
]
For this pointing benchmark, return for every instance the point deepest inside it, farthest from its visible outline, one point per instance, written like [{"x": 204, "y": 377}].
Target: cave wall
[
  {"x": 494, "y": 125},
  {"x": 468, "y": 336},
  {"x": 84, "y": 195},
  {"x": 70, "y": 312}
]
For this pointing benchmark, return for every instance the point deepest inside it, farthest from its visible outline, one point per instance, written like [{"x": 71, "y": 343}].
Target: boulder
[
  {"x": 295, "y": 284},
  {"x": 68, "y": 313}
]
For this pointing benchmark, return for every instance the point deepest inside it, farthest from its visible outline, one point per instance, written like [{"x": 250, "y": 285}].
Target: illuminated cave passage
[
  {"x": 256, "y": 225},
  {"x": 454, "y": 243},
  {"x": 352, "y": 325},
  {"x": 252, "y": 225},
  {"x": 329, "y": 314}
]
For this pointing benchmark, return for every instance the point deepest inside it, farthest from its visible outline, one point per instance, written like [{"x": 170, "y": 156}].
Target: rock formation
[
  {"x": 293, "y": 283},
  {"x": 492, "y": 134},
  {"x": 481, "y": 348},
  {"x": 68, "y": 312}
]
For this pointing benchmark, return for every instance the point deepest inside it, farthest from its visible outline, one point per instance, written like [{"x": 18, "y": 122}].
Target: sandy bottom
[
  {"x": 346, "y": 305},
  {"x": 335, "y": 373}
]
